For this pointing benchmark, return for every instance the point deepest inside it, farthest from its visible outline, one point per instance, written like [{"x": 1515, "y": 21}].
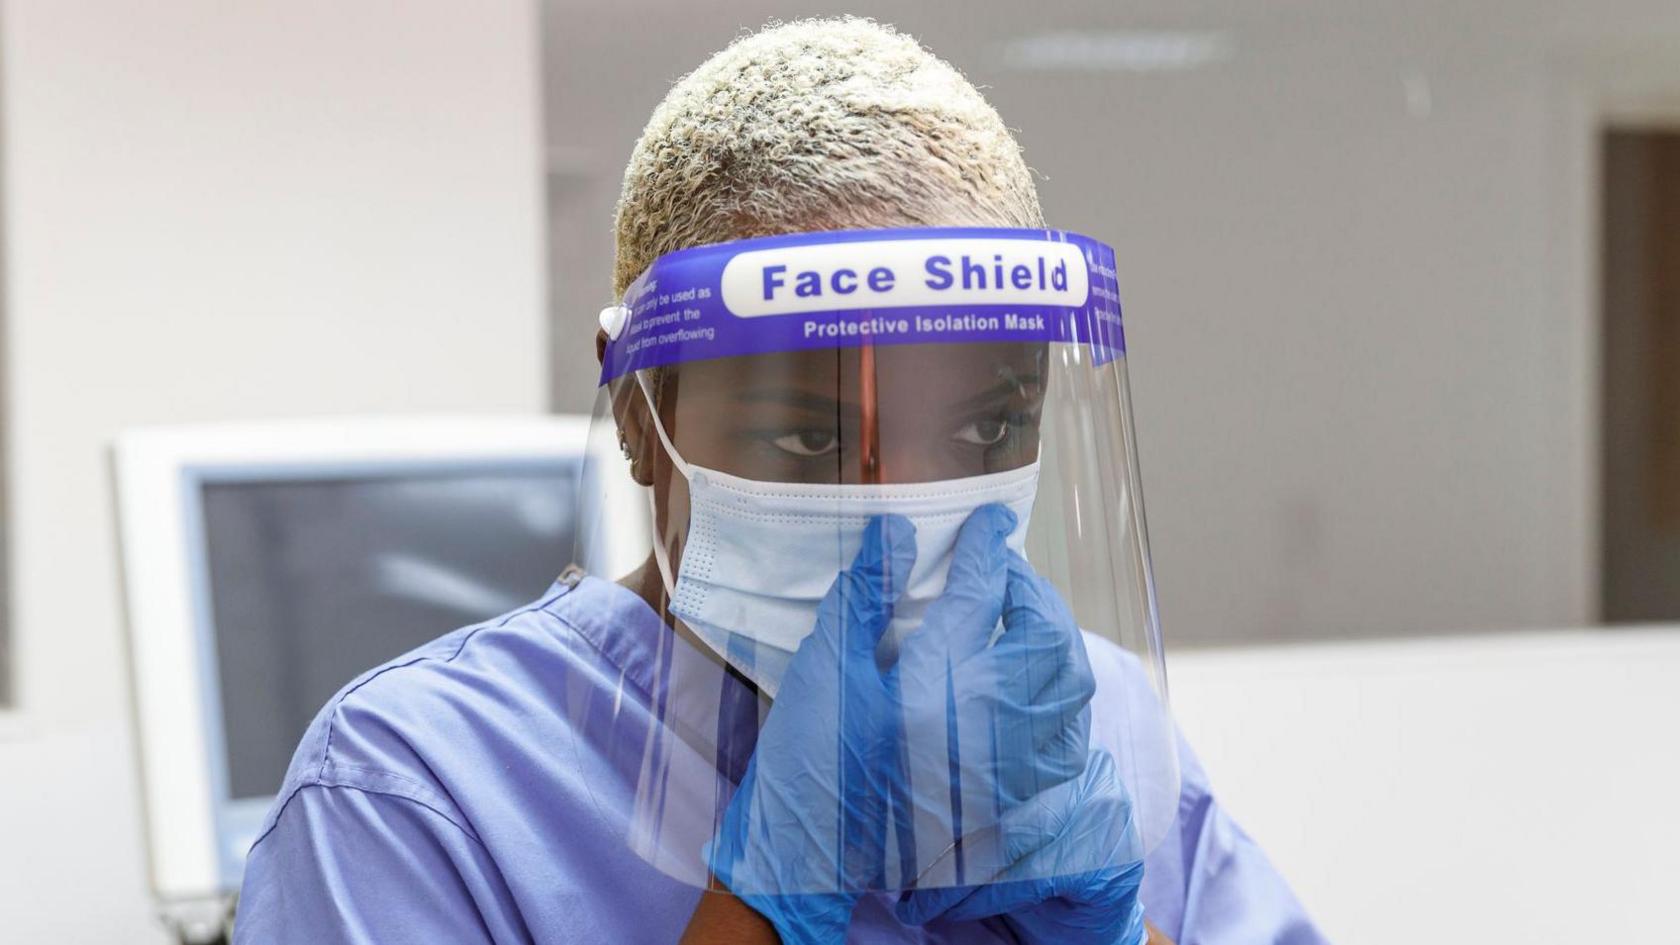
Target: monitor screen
[{"x": 312, "y": 581}]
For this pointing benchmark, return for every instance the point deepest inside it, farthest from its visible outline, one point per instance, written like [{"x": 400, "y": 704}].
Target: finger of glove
[
  {"x": 960, "y": 622},
  {"x": 859, "y": 604},
  {"x": 1041, "y": 648},
  {"x": 1081, "y": 828},
  {"x": 1041, "y": 747},
  {"x": 1001, "y": 853},
  {"x": 1113, "y": 916},
  {"x": 970, "y": 903},
  {"x": 1042, "y": 674},
  {"x": 1075, "y": 842},
  {"x": 1044, "y": 701},
  {"x": 922, "y": 906},
  {"x": 1046, "y": 682},
  {"x": 944, "y": 759},
  {"x": 1031, "y": 604}
]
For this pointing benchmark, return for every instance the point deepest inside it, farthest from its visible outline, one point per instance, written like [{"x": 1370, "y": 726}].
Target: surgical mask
[{"x": 760, "y": 556}]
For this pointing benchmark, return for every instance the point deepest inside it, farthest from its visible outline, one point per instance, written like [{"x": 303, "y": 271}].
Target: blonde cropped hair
[{"x": 817, "y": 125}]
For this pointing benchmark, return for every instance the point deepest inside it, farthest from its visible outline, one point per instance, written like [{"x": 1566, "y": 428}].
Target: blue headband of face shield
[{"x": 852, "y": 288}]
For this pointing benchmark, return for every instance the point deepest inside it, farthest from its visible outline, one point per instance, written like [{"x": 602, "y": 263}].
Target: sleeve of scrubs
[
  {"x": 352, "y": 865},
  {"x": 1215, "y": 884}
]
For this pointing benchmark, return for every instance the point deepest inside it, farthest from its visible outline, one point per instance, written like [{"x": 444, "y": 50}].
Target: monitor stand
[{"x": 203, "y": 921}]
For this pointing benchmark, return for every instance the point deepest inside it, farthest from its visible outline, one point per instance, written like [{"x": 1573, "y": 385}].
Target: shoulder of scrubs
[
  {"x": 375, "y": 735},
  {"x": 344, "y": 864},
  {"x": 377, "y": 833},
  {"x": 1207, "y": 882}
]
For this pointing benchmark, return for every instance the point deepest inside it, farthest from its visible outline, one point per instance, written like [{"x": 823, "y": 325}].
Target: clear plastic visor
[{"x": 901, "y": 597}]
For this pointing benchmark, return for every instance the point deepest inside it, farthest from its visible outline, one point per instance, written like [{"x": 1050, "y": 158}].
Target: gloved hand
[
  {"x": 930, "y": 754},
  {"x": 987, "y": 726},
  {"x": 1076, "y": 875},
  {"x": 803, "y": 836},
  {"x": 1067, "y": 858}
]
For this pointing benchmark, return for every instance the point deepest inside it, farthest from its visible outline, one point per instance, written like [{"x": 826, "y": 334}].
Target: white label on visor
[{"x": 894, "y": 273}]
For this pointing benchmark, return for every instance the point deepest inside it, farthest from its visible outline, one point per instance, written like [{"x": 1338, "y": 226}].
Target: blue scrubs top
[{"x": 472, "y": 791}]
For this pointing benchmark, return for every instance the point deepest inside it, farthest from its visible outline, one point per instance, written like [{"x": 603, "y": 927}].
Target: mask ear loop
[
  {"x": 659, "y": 427},
  {"x": 661, "y": 557}
]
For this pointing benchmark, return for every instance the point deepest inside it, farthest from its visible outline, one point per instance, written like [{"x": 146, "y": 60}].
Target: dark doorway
[{"x": 1641, "y": 377}]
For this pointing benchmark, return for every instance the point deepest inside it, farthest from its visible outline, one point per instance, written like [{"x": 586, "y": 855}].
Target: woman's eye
[
  {"x": 808, "y": 442},
  {"x": 984, "y": 432}
]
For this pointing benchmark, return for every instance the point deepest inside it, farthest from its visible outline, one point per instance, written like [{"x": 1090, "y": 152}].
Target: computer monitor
[{"x": 268, "y": 565}]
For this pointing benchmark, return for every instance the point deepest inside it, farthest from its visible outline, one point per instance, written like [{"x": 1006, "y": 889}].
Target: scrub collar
[{"x": 707, "y": 706}]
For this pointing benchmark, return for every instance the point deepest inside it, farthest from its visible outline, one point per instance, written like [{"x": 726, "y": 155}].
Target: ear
[{"x": 630, "y": 413}]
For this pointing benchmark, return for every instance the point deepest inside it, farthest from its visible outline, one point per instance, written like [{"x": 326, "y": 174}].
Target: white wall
[
  {"x": 220, "y": 211},
  {"x": 1501, "y": 789}
]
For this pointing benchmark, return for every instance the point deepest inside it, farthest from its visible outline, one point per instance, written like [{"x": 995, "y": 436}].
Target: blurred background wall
[
  {"x": 1355, "y": 263},
  {"x": 1361, "y": 265},
  {"x": 223, "y": 211}
]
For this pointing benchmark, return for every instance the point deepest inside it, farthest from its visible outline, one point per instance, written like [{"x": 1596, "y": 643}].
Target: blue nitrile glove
[
  {"x": 803, "y": 836},
  {"x": 1074, "y": 863},
  {"x": 1076, "y": 878},
  {"x": 987, "y": 726},
  {"x": 940, "y": 745}
]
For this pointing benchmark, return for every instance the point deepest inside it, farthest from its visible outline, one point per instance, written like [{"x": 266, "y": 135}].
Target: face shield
[{"x": 898, "y": 552}]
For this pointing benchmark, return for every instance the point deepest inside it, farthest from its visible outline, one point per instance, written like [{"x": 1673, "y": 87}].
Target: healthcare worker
[{"x": 863, "y": 646}]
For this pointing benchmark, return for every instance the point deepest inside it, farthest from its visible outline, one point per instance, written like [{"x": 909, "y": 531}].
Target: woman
[{"x": 835, "y": 701}]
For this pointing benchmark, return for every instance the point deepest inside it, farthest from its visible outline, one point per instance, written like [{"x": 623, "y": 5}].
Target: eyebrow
[{"x": 1007, "y": 387}]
